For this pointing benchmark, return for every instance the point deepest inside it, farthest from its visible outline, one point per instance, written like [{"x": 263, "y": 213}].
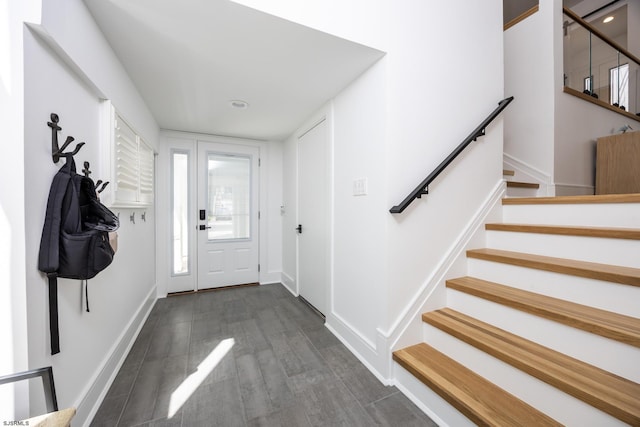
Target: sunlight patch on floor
[{"x": 193, "y": 381}]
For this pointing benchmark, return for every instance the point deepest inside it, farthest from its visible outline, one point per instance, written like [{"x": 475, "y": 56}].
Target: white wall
[
  {"x": 393, "y": 125},
  {"x": 360, "y": 239},
  {"x": 13, "y": 284},
  {"x": 575, "y": 152},
  {"x": 69, "y": 74},
  {"x": 72, "y": 27},
  {"x": 428, "y": 120},
  {"x": 529, "y": 68},
  {"x": 271, "y": 198}
]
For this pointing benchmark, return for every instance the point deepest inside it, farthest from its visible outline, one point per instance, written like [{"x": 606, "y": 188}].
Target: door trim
[{"x": 187, "y": 141}]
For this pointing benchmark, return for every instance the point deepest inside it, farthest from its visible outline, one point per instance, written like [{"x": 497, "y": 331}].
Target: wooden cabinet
[{"x": 618, "y": 164}]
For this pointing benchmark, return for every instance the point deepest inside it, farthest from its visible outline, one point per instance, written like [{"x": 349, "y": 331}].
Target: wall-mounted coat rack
[
  {"x": 87, "y": 171},
  {"x": 57, "y": 151}
]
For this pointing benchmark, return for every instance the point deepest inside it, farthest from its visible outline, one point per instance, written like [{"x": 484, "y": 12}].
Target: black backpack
[{"x": 75, "y": 237}]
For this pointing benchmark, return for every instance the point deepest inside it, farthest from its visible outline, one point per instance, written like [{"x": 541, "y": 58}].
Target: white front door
[
  {"x": 313, "y": 217},
  {"x": 227, "y": 213}
]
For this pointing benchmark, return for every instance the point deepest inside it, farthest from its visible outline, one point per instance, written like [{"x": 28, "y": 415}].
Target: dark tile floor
[{"x": 252, "y": 356}]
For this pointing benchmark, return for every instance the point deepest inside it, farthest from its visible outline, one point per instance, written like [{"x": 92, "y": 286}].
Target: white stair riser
[
  {"x": 600, "y": 215},
  {"x": 522, "y": 192},
  {"x": 593, "y": 249},
  {"x": 547, "y": 399},
  {"x": 608, "y": 296},
  {"x": 421, "y": 394},
  {"x": 610, "y": 355}
]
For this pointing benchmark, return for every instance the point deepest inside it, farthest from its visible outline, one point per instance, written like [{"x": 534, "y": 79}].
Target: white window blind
[
  {"x": 145, "y": 155},
  {"x": 131, "y": 163}
]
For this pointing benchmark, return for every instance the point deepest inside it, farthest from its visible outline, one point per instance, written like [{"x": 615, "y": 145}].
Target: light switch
[{"x": 360, "y": 187}]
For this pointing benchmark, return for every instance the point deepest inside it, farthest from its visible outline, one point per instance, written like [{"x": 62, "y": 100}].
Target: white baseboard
[
  {"x": 436, "y": 278},
  {"x": 376, "y": 356},
  {"x": 525, "y": 168},
  {"x": 94, "y": 393},
  {"x": 363, "y": 348},
  {"x": 524, "y": 171}
]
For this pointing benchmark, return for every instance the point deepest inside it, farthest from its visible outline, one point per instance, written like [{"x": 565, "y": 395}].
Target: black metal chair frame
[{"x": 47, "y": 382}]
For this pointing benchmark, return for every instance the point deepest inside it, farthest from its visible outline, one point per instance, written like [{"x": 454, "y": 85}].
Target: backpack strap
[
  {"x": 54, "y": 332},
  {"x": 49, "y": 255}
]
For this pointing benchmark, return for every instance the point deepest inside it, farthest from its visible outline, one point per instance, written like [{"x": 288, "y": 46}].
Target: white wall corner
[
  {"x": 290, "y": 283},
  {"x": 407, "y": 329},
  {"x": 563, "y": 189},
  {"x": 363, "y": 348},
  {"x": 94, "y": 393},
  {"x": 270, "y": 277},
  {"x": 39, "y": 31}
]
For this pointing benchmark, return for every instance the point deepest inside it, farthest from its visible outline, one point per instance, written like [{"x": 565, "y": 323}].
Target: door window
[{"x": 228, "y": 196}]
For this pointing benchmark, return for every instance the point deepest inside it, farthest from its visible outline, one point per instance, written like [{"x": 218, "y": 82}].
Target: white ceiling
[{"x": 189, "y": 58}]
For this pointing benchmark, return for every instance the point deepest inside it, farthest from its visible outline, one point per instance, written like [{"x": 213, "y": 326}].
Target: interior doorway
[{"x": 313, "y": 216}]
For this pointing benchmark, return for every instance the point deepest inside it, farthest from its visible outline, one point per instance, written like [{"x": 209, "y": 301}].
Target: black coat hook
[
  {"x": 57, "y": 151},
  {"x": 86, "y": 170},
  {"x": 103, "y": 187}
]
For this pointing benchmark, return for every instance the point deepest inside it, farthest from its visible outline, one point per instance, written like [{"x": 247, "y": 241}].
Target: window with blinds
[
  {"x": 131, "y": 164},
  {"x": 145, "y": 155}
]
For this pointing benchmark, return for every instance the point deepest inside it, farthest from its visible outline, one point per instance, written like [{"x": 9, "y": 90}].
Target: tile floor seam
[
  {"x": 155, "y": 400},
  {"x": 383, "y": 398},
  {"x": 133, "y": 383},
  {"x": 335, "y": 374}
]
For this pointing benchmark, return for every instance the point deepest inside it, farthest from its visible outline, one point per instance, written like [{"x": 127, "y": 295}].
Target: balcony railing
[{"x": 600, "y": 69}]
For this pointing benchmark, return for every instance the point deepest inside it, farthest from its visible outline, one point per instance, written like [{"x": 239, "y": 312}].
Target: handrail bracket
[{"x": 479, "y": 134}]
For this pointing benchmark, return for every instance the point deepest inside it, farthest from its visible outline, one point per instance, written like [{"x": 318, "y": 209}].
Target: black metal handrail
[{"x": 423, "y": 188}]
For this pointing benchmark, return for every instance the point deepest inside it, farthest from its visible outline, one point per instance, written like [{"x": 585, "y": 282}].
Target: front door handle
[
  {"x": 299, "y": 228},
  {"x": 204, "y": 227}
]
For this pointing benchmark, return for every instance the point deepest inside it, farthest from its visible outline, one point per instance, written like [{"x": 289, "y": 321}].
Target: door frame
[
  {"x": 324, "y": 115},
  {"x": 252, "y": 153},
  {"x": 188, "y": 142}
]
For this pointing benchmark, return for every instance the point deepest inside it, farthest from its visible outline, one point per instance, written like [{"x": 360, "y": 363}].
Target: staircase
[
  {"x": 516, "y": 188},
  {"x": 545, "y": 329}
]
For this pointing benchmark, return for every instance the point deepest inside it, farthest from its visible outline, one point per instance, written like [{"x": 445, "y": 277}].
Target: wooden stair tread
[
  {"x": 518, "y": 184},
  {"x": 610, "y": 393},
  {"x": 592, "y": 270},
  {"x": 611, "y": 325},
  {"x": 508, "y": 172},
  {"x": 606, "y": 232},
  {"x": 478, "y": 399},
  {"x": 562, "y": 200}
]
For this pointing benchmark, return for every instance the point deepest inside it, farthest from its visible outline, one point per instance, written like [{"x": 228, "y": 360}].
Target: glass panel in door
[{"x": 229, "y": 197}]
